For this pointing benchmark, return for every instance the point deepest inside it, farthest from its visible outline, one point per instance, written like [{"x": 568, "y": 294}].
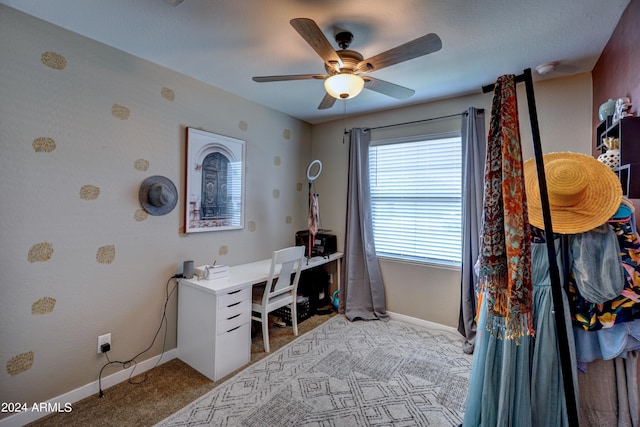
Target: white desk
[{"x": 214, "y": 316}]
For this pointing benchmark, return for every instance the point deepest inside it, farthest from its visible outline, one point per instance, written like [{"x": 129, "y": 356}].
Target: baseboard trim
[
  {"x": 420, "y": 322},
  {"x": 80, "y": 393}
]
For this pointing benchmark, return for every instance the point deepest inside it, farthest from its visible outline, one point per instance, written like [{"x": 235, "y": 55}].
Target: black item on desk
[
  {"x": 187, "y": 269},
  {"x": 323, "y": 244}
]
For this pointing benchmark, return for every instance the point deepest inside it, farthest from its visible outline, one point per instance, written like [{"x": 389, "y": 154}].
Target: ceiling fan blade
[
  {"x": 386, "y": 88},
  {"x": 263, "y": 79},
  {"x": 421, "y": 46},
  {"x": 313, "y": 35},
  {"x": 327, "y": 102}
]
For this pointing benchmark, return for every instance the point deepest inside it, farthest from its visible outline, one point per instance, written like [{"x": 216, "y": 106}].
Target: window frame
[{"x": 406, "y": 259}]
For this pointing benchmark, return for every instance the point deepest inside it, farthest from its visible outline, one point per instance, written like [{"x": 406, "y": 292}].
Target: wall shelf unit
[{"x": 627, "y": 130}]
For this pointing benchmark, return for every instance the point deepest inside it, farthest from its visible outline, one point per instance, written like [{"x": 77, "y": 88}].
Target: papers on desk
[
  {"x": 218, "y": 271},
  {"x": 211, "y": 272}
]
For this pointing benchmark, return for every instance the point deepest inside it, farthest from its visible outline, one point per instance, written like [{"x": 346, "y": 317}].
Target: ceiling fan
[{"x": 347, "y": 69}]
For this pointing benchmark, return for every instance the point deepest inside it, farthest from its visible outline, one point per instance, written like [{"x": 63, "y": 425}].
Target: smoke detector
[{"x": 546, "y": 68}]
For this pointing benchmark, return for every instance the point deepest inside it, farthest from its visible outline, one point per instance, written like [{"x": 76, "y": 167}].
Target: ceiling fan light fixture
[{"x": 344, "y": 86}]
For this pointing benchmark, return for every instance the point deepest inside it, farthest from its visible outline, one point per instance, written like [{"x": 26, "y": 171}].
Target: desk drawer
[
  {"x": 233, "y": 350},
  {"x": 229, "y": 318},
  {"x": 234, "y": 297}
]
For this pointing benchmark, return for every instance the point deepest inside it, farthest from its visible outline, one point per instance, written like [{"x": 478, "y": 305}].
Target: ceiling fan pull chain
[
  {"x": 344, "y": 112},
  {"x": 344, "y": 118}
]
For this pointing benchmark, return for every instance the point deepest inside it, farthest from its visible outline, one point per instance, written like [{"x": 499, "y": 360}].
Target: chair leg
[
  {"x": 265, "y": 331},
  {"x": 294, "y": 317}
]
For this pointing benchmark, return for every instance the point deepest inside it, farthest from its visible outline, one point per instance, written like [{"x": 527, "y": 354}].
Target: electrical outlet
[{"x": 103, "y": 339}]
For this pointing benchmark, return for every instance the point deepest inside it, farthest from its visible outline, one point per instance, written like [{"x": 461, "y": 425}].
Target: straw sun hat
[{"x": 583, "y": 192}]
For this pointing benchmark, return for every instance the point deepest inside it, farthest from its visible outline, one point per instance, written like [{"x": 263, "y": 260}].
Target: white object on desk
[
  {"x": 214, "y": 316},
  {"x": 212, "y": 272}
]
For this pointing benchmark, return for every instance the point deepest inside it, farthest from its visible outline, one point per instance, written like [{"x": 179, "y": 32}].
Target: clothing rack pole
[
  {"x": 556, "y": 286},
  {"x": 417, "y": 121}
]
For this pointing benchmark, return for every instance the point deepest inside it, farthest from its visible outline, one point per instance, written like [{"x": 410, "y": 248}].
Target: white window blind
[{"x": 416, "y": 198}]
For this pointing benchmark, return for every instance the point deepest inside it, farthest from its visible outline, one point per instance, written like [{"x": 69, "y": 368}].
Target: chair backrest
[{"x": 289, "y": 261}]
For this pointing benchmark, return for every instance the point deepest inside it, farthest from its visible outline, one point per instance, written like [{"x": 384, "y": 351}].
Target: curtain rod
[{"x": 418, "y": 121}]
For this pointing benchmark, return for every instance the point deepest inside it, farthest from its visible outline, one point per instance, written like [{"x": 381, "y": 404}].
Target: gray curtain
[
  {"x": 473, "y": 159},
  {"x": 363, "y": 293}
]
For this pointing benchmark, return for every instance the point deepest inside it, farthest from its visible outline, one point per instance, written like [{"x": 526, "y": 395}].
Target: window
[{"x": 416, "y": 198}]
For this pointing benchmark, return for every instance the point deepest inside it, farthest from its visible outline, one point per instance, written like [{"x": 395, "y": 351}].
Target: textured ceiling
[{"x": 226, "y": 42}]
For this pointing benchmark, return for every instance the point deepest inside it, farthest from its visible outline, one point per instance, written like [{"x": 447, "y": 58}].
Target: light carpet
[{"x": 363, "y": 373}]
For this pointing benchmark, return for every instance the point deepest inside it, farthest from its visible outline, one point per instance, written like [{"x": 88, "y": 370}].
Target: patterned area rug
[{"x": 364, "y": 373}]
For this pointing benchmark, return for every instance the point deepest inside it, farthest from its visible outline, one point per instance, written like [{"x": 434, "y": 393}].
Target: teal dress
[
  {"x": 548, "y": 406},
  {"x": 521, "y": 385},
  {"x": 499, "y": 389}
]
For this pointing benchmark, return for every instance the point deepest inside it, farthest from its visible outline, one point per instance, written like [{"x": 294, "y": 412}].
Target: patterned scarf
[
  {"x": 505, "y": 252},
  {"x": 313, "y": 221}
]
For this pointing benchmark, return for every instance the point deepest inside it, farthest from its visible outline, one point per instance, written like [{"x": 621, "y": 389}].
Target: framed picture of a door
[{"x": 214, "y": 195}]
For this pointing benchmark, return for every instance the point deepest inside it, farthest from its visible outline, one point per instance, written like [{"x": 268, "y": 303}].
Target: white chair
[{"x": 280, "y": 289}]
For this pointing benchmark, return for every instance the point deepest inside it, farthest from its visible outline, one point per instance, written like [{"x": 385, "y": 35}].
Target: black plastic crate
[{"x": 285, "y": 313}]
